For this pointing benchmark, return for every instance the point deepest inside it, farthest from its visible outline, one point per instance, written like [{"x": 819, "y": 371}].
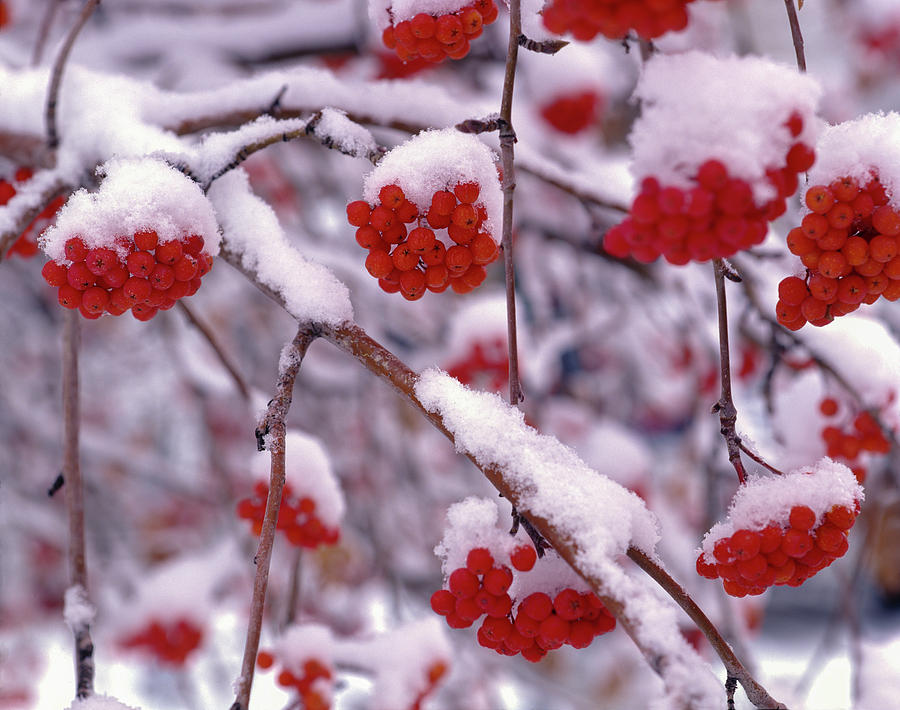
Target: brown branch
[
  {"x": 758, "y": 459},
  {"x": 271, "y": 430},
  {"x": 44, "y": 31},
  {"x": 725, "y": 406},
  {"x": 507, "y": 159},
  {"x": 549, "y": 46},
  {"x": 56, "y": 76},
  {"x": 796, "y": 35},
  {"x": 214, "y": 343},
  {"x": 71, "y": 471}
]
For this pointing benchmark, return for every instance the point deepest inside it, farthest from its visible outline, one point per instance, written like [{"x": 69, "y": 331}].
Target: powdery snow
[
  {"x": 308, "y": 471},
  {"x": 696, "y": 107},
  {"x": 304, "y": 642},
  {"x": 135, "y": 194},
  {"x": 310, "y": 291},
  {"x": 438, "y": 160},
  {"x": 78, "y": 611},
  {"x": 764, "y": 500},
  {"x": 99, "y": 702},
  {"x": 855, "y": 148},
  {"x": 382, "y": 11}
]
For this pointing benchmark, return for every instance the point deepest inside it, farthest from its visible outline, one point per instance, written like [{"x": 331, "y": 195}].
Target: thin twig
[
  {"x": 759, "y": 459},
  {"x": 796, "y": 35},
  {"x": 71, "y": 471},
  {"x": 274, "y": 426},
  {"x": 56, "y": 75},
  {"x": 210, "y": 337},
  {"x": 44, "y": 31},
  {"x": 293, "y": 600},
  {"x": 549, "y": 46},
  {"x": 507, "y": 158},
  {"x": 725, "y": 406}
]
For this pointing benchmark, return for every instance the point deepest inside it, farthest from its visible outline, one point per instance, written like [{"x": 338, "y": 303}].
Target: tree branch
[{"x": 796, "y": 35}]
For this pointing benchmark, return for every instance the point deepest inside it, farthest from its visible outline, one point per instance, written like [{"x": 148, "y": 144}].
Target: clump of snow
[
  {"x": 78, "y": 611},
  {"x": 860, "y": 148},
  {"x": 767, "y": 500},
  {"x": 343, "y": 133},
  {"x": 309, "y": 473},
  {"x": 382, "y": 12},
  {"x": 304, "y": 642},
  {"x": 697, "y": 107},
  {"x": 135, "y": 194},
  {"x": 602, "y": 518},
  {"x": 310, "y": 291},
  {"x": 99, "y": 702},
  {"x": 438, "y": 160}
]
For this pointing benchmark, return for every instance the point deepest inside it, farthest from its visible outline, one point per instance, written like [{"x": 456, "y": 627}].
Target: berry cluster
[
  {"x": 585, "y": 19},
  {"x": 572, "y": 113},
  {"x": 434, "y": 38},
  {"x": 750, "y": 561},
  {"x": 312, "y": 672},
  {"x": 848, "y": 445},
  {"x": 4, "y": 14},
  {"x": 150, "y": 278},
  {"x": 170, "y": 641},
  {"x": 297, "y": 517},
  {"x": 435, "y": 672},
  {"x": 540, "y": 623},
  {"x": 850, "y": 246},
  {"x": 485, "y": 366},
  {"x": 715, "y": 218},
  {"x": 413, "y": 260},
  {"x": 26, "y": 245}
]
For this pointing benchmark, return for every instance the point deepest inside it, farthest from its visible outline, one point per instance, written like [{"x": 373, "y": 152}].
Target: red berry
[
  {"x": 443, "y": 602},
  {"x": 538, "y": 606},
  {"x": 479, "y": 561},
  {"x": 75, "y": 249},
  {"x": 54, "y": 274},
  {"x": 463, "y": 583},
  {"x": 523, "y": 558},
  {"x": 170, "y": 252},
  {"x": 358, "y": 213},
  {"x": 498, "y": 580}
]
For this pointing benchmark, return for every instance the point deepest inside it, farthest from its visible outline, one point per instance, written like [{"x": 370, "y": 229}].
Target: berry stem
[
  {"x": 725, "y": 406},
  {"x": 74, "y": 490},
  {"x": 507, "y": 141},
  {"x": 796, "y": 35},
  {"x": 759, "y": 459},
  {"x": 273, "y": 425}
]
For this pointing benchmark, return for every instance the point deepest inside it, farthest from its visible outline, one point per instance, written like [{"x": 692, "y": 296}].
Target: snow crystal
[
  {"x": 310, "y": 291},
  {"x": 854, "y": 148},
  {"x": 697, "y": 107},
  {"x": 99, "y": 702},
  {"x": 764, "y": 500},
  {"x": 308, "y": 470},
  {"x": 601, "y": 517},
  {"x": 78, "y": 611},
  {"x": 438, "y": 160},
  {"x": 135, "y": 194}
]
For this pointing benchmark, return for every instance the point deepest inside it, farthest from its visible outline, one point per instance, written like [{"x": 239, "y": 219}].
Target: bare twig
[
  {"x": 274, "y": 426},
  {"x": 507, "y": 141},
  {"x": 56, "y": 75},
  {"x": 44, "y": 31},
  {"x": 725, "y": 406},
  {"x": 293, "y": 599},
  {"x": 210, "y": 337},
  {"x": 759, "y": 459},
  {"x": 71, "y": 471},
  {"x": 796, "y": 35},
  {"x": 549, "y": 46}
]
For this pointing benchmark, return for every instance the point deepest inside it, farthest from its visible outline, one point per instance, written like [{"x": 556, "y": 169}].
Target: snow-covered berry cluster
[
  {"x": 782, "y": 530},
  {"x": 585, "y": 19},
  {"x": 171, "y": 641},
  {"x": 139, "y": 273},
  {"x": 709, "y": 190},
  {"x": 312, "y": 679},
  {"x": 434, "y": 38},
  {"x": 297, "y": 517},
  {"x": 850, "y": 442},
  {"x": 484, "y": 366},
  {"x": 26, "y": 245},
  {"x": 426, "y": 217}
]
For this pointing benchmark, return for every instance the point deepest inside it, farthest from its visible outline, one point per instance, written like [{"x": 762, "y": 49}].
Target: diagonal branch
[{"x": 796, "y": 35}]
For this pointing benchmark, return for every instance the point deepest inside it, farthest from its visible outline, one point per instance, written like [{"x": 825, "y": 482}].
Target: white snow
[
  {"x": 78, "y": 611},
  {"x": 381, "y": 11},
  {"x": 99, "y": 702}
]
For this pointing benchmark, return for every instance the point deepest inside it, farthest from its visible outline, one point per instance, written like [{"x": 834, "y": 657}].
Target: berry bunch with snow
[
  {"x": 304, "y": 654},
  {"x": 849, "y": 241},
  {"x": 26, "y": 245},
  {"x": 585, "y": 19},
  {"x": 171, "y": 641},
  {"x": 476, "y": 342},
  {"x": 312, "y": 504},
  {"x": 528, "y": 609},
  {"x": 436, "y": 181},
  {"x": 144, "y": 240},
  {"x": 433, "y": 30},
  {"x": 782, "y": 529},
  {"x": 712, "y": 173},
  {"x": 850, "y": 442}
]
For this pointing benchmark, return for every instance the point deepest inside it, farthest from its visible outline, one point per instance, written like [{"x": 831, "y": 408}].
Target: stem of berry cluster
[
  {"x": 796, "y": 35},
  {"x": 507, "y": 141},
  {"x": 271, "y": 430},
  {"x": 74, "y": 491},
  {"x": 725, "y": 406}
]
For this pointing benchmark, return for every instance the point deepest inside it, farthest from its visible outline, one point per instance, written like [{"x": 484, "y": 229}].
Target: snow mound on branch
[
  {"x": 308, "y": 471},
  {"x": 381, "y": 12},
  {"x": 135, "y": 194},
  {"x": 768, "y": 500},
  {"x": 78, "y": 611},
  {"x": 310, "y": 291},
  {"x": 99, "y": 702},
  {"x": 438, "y": 160},
  {"x": 856, "y": 148},
  {"x": 697, "y": 107},
  {"x": 552, "y": 482}
]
